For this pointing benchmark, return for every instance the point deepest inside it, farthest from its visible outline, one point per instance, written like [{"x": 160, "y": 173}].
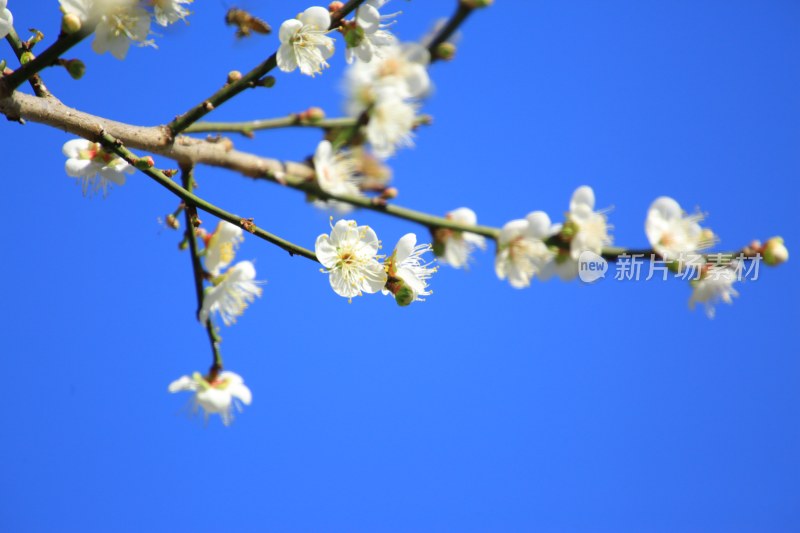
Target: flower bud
[
  {"x": 335, "y": 6},
  {"x": 390, "y": 193},
  {"x": 404, "y": 295},
  {"x": 145, "y": 163},
  {"x": 314, "y": 114},
  {"x": 267, "y": 81},
  {"x": 775, "y": 252},
  {"x": 76, "y": 68},
  {"x": 234, "y": 76},
  {"x": 71, "y": 23},
  {"x": 173, "y": 222},
  {"x": 446, "y": 51}
]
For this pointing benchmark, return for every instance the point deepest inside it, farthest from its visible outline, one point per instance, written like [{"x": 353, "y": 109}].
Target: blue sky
[{"x": 563, "y": 407}]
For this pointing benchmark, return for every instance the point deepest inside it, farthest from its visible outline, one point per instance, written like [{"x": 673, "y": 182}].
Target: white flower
[
  {"x": 716, "y": 284},
  {"x": 6, "y": 19},
  {"x": 120, "y": 23},
  {"x": 522, "y": 252},
  {"x": 170, "y": 11},
  {"x": 672, "y": 232},
  {"x": 221, "y": 246},
  {"x": 217, "y": 397},
  {"x": 591, "y": 227},
  {"x": 304, "y": 42},
  {"x": 94, "y": 166},
  {"x": 231, "y": 293},
  {"x": 407, "y": 274},
  {"x": 391, "y": 121},
  {"x": 369, "y": 39},
  {"x": 349, "y": 255},
  {"x": 401, "y": 68},
  {"x": 335, "y": 173},
  {"x": 454, "y": 247}
]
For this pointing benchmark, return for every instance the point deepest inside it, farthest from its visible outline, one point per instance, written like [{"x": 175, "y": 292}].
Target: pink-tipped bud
[
  {"x": 335, "y": 6},
  {"x": 145, "y": 163}
]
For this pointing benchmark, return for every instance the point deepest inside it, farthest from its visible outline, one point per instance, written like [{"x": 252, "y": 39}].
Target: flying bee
[{"x": 245, "y": 23}]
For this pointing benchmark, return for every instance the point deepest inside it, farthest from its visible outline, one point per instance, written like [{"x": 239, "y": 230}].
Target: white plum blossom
[
  {"x": 305, "y": 43},
  {"x": 120, "y": 22},
  {"x": 386, "y": 88},
  {"x": 170, "y": 11},
  {"x": 454, "y": 247},
  {"x": 231, "y": 293},
  {"x": 350, "y": 257},
  {"x": 402, "y": 69},
  {"x": 221, "y": 246},
  {"x": 216, "y": 397},
  {"x": 6, "y": 19},
  {"x": 408, "y": 275},
  {"x": 369, "y": 37},
  {"x": 522, "y": 252},
  {"x": 335, "y": 173},
  {"x": 93, "y": 166},
  {"x": 591, "y": 227},
  {"x": 672, "y": 232},
  {"x": 714, "y": 285}
]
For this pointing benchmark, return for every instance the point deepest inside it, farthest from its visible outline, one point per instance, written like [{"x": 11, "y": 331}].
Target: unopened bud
[
  {"x": 234, "y": 76},
  {"x": 170, "y": 172},
  {"x": 26, "y": 57},
  {"x": 446, "y": 51},
  {"x": 76, "y": 68},
  {"x": 404, "y": 295},
  {"x": 314, "y": 114},
  {"x": 390, "y": 193},
  {"x": 775, "y": 252},
  {"x": 173, "y": 222},
  {"x": 335, "y": 6},
  {"x": 71, "y": 23},
  {"x": 267, "y": 81},
  {"x": 145, "y": 163}
]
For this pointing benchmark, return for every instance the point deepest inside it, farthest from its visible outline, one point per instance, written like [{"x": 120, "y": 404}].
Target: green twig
[
  {"x": 291, "y": 121},
  {"x": 113, "y": 145},
  {"x": 20, "y": 48},
  {"x": 190, "y": 212},
  {"x": 46, "y": 59}
]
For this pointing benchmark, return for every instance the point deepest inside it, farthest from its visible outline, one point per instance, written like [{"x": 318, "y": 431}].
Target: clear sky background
[{"x": 563, "y": 407}]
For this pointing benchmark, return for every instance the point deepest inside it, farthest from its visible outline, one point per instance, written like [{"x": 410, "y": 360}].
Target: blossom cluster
[
  {"x": 233, "y": 287},
  {"x": 121, "y": 23},
  {"x": 350, "y": 257}
]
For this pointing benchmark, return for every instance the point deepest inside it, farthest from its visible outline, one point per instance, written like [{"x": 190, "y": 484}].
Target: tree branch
[
  {"x": 187, "y": 176},
  {"x": 247, "y": 81},
  {"x": 20, "y": 48},
  {"x": 46, "y": 59}
]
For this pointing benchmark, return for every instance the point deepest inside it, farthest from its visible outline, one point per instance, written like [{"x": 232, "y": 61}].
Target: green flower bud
[
  {"x": 775, "y": 252},
  {"x": 75, "y": 68},
  {"x": 404, "y": 295},
  {"x": 446, "y": 51}
]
